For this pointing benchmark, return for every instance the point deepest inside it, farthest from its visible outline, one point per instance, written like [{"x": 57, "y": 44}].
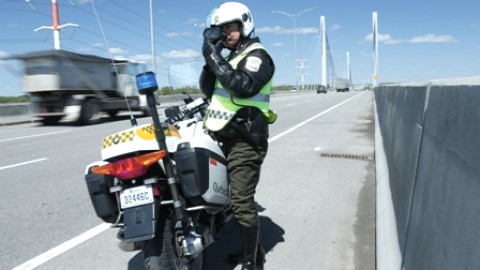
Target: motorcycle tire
[
  {"x": 90, "y": 112},
  {"x": 160, "y": 253}
]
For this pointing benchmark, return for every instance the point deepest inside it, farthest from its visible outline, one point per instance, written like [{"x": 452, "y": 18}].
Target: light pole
[
  {"x": 152, "y": 39},
  {"x": 294, "y": 18},
  {"x": 375, "y": 49},
  {"x": 152, "y": 42}
]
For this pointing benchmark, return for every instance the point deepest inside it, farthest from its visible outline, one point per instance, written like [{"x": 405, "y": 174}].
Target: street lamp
[
  {"x": 55, "y": 27},
  {"x": 294, "y": 17}
]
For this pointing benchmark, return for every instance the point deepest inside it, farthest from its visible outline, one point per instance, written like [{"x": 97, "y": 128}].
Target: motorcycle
[{"x": 164, "y": 185}]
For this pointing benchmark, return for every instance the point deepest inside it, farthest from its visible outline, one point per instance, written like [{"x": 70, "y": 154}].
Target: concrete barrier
[
  {"x": 16, "y": 113},
  {"x": 20, "y": 112},
  {"x": 431, "y": 138}
]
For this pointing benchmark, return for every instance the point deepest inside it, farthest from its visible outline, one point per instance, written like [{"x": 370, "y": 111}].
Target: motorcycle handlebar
[{"x": 192, "y": 107}]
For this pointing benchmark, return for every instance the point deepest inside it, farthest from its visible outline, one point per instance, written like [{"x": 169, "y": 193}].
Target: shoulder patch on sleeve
[{"x": 253, "y": 63}]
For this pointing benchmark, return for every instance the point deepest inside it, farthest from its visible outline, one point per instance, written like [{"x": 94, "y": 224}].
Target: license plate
[{"x": 136, "y": 196}]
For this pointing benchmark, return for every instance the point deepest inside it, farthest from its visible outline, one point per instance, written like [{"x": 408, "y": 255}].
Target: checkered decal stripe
[
  {"x": 149, "y": 129},
  {"x": 118, "y": 138},
  {"x": 219, "y": 115}
]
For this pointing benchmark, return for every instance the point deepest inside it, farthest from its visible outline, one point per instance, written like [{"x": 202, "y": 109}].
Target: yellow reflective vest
[{"x": 224, "y": 106}]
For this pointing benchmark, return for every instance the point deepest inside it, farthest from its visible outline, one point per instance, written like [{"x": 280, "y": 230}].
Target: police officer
[{"x": 239, "y": 89}]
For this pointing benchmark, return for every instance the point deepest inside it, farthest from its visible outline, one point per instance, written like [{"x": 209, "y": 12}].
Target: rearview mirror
[{"x": 172, "y": 111}]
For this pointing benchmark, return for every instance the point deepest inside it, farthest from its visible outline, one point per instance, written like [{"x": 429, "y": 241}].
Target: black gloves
[
  {"x": 212, "y": 41},
  {"x": 212, "y": 51}
]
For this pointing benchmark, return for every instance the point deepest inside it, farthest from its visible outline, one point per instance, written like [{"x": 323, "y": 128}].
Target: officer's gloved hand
[
  {"x": 212, "y": 42},
  {"x": 212, "y": 52}
]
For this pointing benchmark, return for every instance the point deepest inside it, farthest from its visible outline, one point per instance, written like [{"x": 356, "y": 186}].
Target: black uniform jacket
[{"x": 249, "y": 123}]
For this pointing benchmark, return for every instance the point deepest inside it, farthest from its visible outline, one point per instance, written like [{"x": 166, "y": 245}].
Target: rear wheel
[
  {"x": 90, "y": 112},
  {"x": 112, "y": 113},
  {"x": 51, "y": 120},
  {"x": 160, "y": 252}
]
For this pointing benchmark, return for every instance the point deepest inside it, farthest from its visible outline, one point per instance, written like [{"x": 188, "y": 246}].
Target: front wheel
[{"x": 160, "y": 253}]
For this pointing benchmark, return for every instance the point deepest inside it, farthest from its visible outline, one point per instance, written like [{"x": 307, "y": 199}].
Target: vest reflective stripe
[
  {"x": 259, "y": 97},
  {"x": 237, "y": 58},
  {"x": 224, "y": 106}
]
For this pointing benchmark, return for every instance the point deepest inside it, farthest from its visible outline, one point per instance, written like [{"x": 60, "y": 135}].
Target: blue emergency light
[{"x": 146, "y": 83}]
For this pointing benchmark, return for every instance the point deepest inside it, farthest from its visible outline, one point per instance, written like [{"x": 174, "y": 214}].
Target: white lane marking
[
  {"x": 44, "y": 257},
  {"x": 23, "y": 163},
  {"x": 32, "y": 136},
  {"x": 62, "y": 248},
  {"x": 274, "y": 138}
]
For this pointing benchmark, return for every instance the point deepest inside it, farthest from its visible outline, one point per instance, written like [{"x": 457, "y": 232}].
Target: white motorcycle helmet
[{"x": 229, "y": 12}]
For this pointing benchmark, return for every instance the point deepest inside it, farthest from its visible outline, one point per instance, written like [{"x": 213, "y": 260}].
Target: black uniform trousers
[{"x": 244, "y": 163}]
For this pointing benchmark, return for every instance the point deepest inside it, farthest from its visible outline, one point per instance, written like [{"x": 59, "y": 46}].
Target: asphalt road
[{"x": 316, "y": 196}]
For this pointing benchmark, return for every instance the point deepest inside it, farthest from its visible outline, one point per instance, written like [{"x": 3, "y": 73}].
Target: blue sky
[{"x": 418, "y": 40}]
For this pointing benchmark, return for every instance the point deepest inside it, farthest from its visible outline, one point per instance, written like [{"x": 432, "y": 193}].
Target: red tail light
[{"x": 131, "y": 167}]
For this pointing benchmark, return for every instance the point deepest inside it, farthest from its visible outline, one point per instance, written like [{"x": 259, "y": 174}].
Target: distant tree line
[{"x": 20, "y": 99}]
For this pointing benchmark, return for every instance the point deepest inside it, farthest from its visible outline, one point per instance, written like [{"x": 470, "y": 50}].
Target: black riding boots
[
  {"x": 250, "y": 241},
  {"x": 236, "y": 258},
  {"x": 253, "y": 256}
]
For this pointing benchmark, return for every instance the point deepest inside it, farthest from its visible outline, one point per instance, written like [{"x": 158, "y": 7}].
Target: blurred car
[
  {"x": 321, "y": 89},
  {"x": 358, "y": 88}
]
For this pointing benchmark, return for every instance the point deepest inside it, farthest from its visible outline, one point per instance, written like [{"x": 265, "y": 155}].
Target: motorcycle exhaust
[
  {"x": 193, "y": 245},
  {"x": 127, "y": 247}
]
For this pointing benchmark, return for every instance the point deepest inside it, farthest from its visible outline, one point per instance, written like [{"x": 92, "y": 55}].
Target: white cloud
[
  {"x": 280, "y": 30},
  {"x": 142, "y": 57},
  {"x": 266, "y": 29},
  {"x": 334, "y": 27},
  {"x": 97, "y": 45},
  {"x": 309, "y": 30},
  {"x": 116, "y": 51},
  {"x": 177, "y": 34},
  {"x": 429, "y": 38},
  {"x": 277, "y": 44},
  {"x": 181, "y": 54},
  {"x": 385, "y": 38}
]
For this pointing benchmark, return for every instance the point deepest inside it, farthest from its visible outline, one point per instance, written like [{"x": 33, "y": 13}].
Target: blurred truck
[
  {"x": 77, "y": 87},
  {"x": 342, "y": 85}
]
